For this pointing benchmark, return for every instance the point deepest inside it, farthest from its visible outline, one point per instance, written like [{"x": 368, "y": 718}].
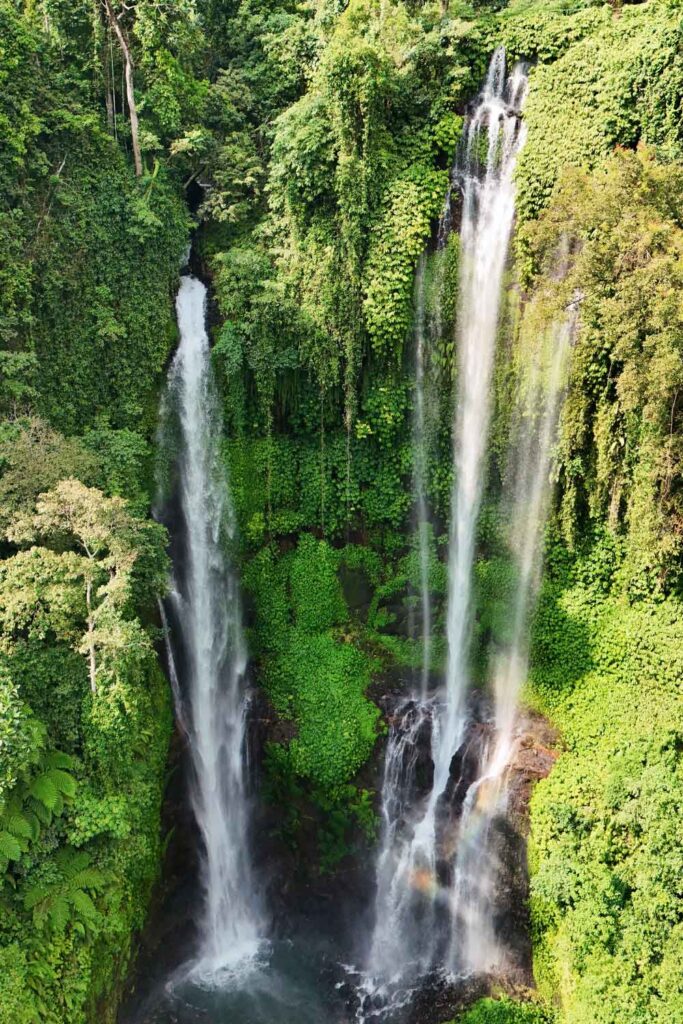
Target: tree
[
  {"x": 109, "y": 543},
  {"x": 35, "y": 782},
  {"x": 33, "y": 458}
]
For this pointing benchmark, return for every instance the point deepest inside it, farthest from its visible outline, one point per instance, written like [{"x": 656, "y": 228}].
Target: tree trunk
[
  {"x": 110, "y": 108},
  {"x": 108, "y": 82},
  {"x": 91, "y": 642},
  {"x": 130, "y": 93}
]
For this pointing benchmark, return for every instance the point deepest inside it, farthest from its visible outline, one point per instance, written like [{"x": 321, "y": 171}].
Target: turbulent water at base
[
  {"x": 412, "y": 933},
  {"x": 205, "y": 609},
  {"x": 396, "y": 958}
]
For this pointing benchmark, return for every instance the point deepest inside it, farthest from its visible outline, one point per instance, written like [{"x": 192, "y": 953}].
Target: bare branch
[{"x": 130, "y": 93}]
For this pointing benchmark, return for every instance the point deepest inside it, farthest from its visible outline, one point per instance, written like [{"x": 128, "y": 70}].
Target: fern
[
  {"x": 57, "y": 902},
  {"x": 34, "y": 803},
  {"x": 83, "y": 903},
  {"x": 45, "y": 792},
  {"x": 43, "y": 815},
  {"x": 10, "y": 848},
  {"x": 20, "y": 825},
  {"x": 57, "y": 759},
  {"x": 72, "y": 862},
  {"x": 57, "y": 911},
  {"x": 64, "y": 783}
]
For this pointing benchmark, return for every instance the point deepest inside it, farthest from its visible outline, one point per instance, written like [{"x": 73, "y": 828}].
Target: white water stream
[
  {"x": 487, "y": 218},
  {"x": 420, "y": 442},
  {"x": 206, "y": 606}
]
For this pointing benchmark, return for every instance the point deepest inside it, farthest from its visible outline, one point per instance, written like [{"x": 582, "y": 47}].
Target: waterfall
[
  {"x": 475, "y": 945},
  {"x": 413, "y": 922},
  {"x": 488, "y": 212},
  {"x": 205, "y": 609},
  {"x": 530, "y": 458},
  {"x": 420, "y": 475},
  {"x": 396, "y": 954}
]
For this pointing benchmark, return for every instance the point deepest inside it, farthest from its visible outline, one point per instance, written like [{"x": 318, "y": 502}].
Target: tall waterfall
[
  {"x": 413, "y": 902},
  {"x": 475, "y": 945},
  {"x": 420, "y": 474},
  {"x": 488, "y": 212},
  {"x": 205, "y": 609}
]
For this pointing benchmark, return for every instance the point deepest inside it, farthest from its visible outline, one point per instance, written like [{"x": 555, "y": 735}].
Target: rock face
[
  {"x": 536, "y": 753},
  {"x": 440, "y": 1000},
  {"x": 534, "y": 759}
]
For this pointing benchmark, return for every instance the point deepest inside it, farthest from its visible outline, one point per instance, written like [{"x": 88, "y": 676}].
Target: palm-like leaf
[
  {"x": 44, "y": 791},
  {"x": 19, "y": 825},
  {"x": 66, "y": 900},
  {"x": 10, "y": 847}
]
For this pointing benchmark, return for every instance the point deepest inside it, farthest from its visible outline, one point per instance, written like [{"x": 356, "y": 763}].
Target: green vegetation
[
  {"x": 89, "y": 261},
  {"x": 603, "y": 80},
  {"x": 504, "y": 1011},
  {"x": 606, "y": 825},
  {"x": 84, "y": 730},
  {"x": 308, "y": 146},
  {"x": 620, "y": 444},
  {"x": 313, "y": 672},
  {"x": 606, "y": 843}
]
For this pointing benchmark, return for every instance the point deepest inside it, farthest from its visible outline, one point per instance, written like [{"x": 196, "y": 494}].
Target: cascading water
[
  {"x": 395, "y": 956},
  {"x": 475, "y": 945},
  {"x": 420, "y": 475},
  {"x": 411, "y": 903},
  {"x": 488, "y": 213},
  {"x": 205, "y": 608},
  {"x": 531, "y": 458}
]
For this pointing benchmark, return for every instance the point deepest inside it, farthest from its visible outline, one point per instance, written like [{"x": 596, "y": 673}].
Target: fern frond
[
  {"x": 58, "y": 913},
  {"x": 36, "y": 895},
  {"x": 58, "y": 759},
  {"x": 18, "y": 824},
  {"x": 44, "y": 790},
  {"x": 71, "y": 861},
  {"x": 34, "y": 824},
  {"x": 42, "y": 814},
  {"x": 10, "y": 847},
  {"x": 89, "y": 878},
  {"x": 83, "y": 903},
  {"x": 64, "y": 783}
]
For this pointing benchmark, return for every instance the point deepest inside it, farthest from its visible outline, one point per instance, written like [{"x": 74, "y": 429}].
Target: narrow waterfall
[
  {"x": 396, "y": 956},
  {"x": 412, "y": 932},
  {"x": 420, "y": 474},
  {"x": 204, "y": 609},
  {"x": 530, "y": 476},
  {"x": 488, "y": 213},
  {"x": 475, "y": 945}
]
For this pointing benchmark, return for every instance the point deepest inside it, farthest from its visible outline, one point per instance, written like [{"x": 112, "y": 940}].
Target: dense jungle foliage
[{"x": 307, "y": 147}]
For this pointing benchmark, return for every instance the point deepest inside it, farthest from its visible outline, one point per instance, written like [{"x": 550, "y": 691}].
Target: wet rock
[
  {"x": 440, "y": 999},
  {"x": 535, "y": 754}
]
